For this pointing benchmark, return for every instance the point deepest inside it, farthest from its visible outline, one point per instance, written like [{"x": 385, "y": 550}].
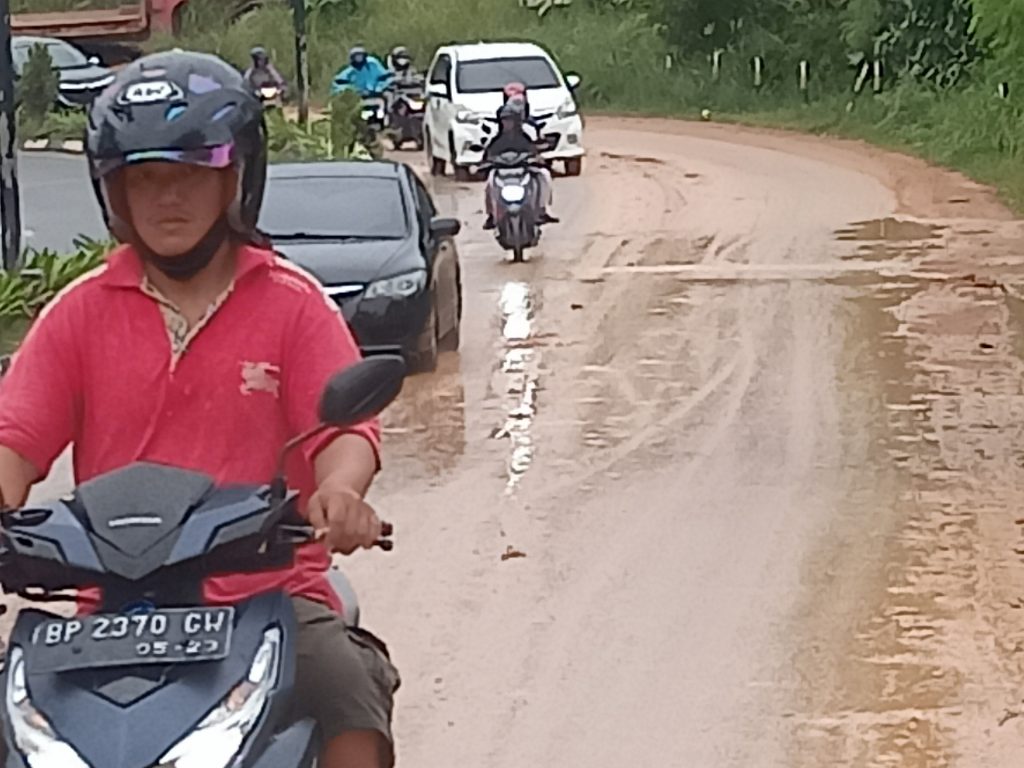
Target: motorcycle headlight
[
  {"x": 513, "y": 194},
  {"x": 415, "y": 104},
  {"x": 568, "y": 109},
  {"x": 268, "y": 93},
  {"x": 34, "y": 737},
  {"x": 400, "y": 287},
  {"x": 218, "y": 739}
]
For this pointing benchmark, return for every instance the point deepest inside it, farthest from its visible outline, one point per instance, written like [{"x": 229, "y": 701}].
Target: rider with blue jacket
[{"x": 364, "y": 74}]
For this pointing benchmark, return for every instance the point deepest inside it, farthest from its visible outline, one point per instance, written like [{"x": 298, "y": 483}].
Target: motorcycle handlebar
[{"x": 301, "y": 534}]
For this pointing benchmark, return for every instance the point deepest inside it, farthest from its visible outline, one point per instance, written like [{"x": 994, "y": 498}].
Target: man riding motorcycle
[
  {"x": 400, "y": 64},
  {"x": 512, "y": 138},
  {"x": 262, "y": 73},
  {"x": 177, "y": 149},
  {"x": 363, "y": 74}
]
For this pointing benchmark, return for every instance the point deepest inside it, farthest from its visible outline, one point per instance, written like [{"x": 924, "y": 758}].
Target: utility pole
[
  {"x": 301, "y": 58},
  {"x": 10, "y": 209}
]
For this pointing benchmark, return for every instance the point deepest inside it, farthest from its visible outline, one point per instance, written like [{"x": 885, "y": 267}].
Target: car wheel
[
  {"x": 462, "y": 173},
  {"x": 436, "y": 164},
  {"x": 423, "y": 358},
  {"x": 574, "y": 167},
  {"x": 453, "y": 339}
]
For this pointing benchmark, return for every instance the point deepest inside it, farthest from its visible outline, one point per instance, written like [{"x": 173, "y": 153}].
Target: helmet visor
[{"x": 221, "y": 156}]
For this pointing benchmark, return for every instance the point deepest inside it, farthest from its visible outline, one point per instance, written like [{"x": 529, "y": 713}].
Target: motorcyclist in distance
[
  {"x": 364, "y": 74},
  {"x": 262, "y": 73},
  {"x": 400, "y": 63},
  {"x": 512, "y": 138}
]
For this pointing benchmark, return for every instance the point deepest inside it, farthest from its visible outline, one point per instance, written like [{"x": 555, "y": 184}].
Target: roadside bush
[
  {"x": 37, "y": 87},
  {"x": 23, "y": 292},
  {"x": 336, "y": 136},
  {"x": 56, "y": 125}
]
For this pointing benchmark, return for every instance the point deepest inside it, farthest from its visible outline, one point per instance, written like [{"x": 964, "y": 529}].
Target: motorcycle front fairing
[
  {"x": 148, "y": 535},
  {"x": 131, "y": 717}
]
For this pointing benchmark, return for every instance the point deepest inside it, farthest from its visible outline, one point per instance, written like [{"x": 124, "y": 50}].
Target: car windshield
[
  {"x": 63, "y": 56},
  {"x": 336, "y": 206},
  {"x": 494, "y": 74}
]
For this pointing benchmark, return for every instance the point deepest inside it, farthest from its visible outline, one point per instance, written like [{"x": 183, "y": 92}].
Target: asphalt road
[
  {"x": 57, "y": 200},
  {"x": 727, "y": 475}
]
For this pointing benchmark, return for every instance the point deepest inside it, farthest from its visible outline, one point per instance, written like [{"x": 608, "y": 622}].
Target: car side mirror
[
  {"x": 573, "y": 81},
  {"x": 443, "y": 227},
  {"x": 439, "y": 91},
  {"x": 361, "y": 391}
]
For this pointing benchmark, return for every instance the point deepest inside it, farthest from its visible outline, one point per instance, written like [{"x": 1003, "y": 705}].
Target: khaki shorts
[{"x": 344, "y": 677}]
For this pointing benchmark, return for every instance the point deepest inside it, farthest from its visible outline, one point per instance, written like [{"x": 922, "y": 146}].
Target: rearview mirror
[
  {"x": 441, "y": 227},
  {"x": 573, "y": 81},
  {"x": 439, "y": 91},
  {"x": 350, "y": 397},
  {"x": 362, "y": 391}
]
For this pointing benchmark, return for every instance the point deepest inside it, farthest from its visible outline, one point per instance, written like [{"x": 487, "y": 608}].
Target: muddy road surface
[{"x": 730, "y": 474}]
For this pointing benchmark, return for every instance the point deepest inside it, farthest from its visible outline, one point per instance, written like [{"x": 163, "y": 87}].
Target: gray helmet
[
  {"x": 400, "y": 57},
  {"x": 183, "y": 107},
  {"x": 259, "y": 52}
]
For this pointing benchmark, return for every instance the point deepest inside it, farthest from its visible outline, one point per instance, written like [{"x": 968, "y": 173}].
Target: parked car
[
  {"x": 464, "y": 92},
  {"x": 370, "y": 232},
  {"x": 81, "y": 78}
]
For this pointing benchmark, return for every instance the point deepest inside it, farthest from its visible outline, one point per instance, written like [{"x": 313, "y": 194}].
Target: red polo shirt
[{"x": 98, "y": 370}]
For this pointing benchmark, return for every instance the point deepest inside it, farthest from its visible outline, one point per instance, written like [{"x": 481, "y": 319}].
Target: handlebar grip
[{"x": 387, "y": 529}]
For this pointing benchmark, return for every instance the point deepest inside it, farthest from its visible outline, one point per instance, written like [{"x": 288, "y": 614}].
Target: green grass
[{"x": 623, "y": 63}]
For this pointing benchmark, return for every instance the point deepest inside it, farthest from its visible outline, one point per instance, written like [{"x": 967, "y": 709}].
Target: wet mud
[{"x": 729, "y": 474}]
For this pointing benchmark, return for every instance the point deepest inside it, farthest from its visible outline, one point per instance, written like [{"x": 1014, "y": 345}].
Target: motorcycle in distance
[
  {"x": 513, "y": 186},
  {"x": 373, "y": 110},
  {"x": 374, "y": 113},
  {"x": 155, "y": 678},
  {"x": 271, "y": 96},
  {"x": 405, "y": 117}
]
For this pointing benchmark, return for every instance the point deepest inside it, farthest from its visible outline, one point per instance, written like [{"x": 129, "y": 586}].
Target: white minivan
[{"x": 465, "y": 88}]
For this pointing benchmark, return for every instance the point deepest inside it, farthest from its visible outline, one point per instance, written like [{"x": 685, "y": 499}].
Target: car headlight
[
  {"x": 568, "y": 109},
  {"x": 33, "y": 735},
  {"x": 513, "y": 194},
  {"x": 218, "y": 739},
  {"x": 400, "y": 286}
]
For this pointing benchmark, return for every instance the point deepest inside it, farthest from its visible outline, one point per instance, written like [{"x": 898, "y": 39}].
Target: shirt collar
[{"x": 124, "y": 265}]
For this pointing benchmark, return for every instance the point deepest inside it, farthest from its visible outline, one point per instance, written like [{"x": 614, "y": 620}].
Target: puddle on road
[
  {"x": 921, "y": 679},
  {"x": 425, "y": 429},
  {"x": 892, "y": 239},
  {"x": 517, "y": 378},
  {"x": 889, "y": 230}
]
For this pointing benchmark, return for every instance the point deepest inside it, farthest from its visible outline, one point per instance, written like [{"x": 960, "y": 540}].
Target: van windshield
[{"x": 488, "y": 75}]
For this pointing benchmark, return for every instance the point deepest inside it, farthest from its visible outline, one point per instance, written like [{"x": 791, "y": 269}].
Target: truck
[{"x": 130, "y": 22}]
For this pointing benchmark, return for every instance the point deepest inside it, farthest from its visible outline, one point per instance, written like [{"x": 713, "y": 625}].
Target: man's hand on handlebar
[{"x": 345, "y": 521}]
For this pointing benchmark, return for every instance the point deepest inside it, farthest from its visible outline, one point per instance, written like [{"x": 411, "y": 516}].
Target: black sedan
[
  {"x": 80, "y": 78},
  {"x": 369, "y": 231}
]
